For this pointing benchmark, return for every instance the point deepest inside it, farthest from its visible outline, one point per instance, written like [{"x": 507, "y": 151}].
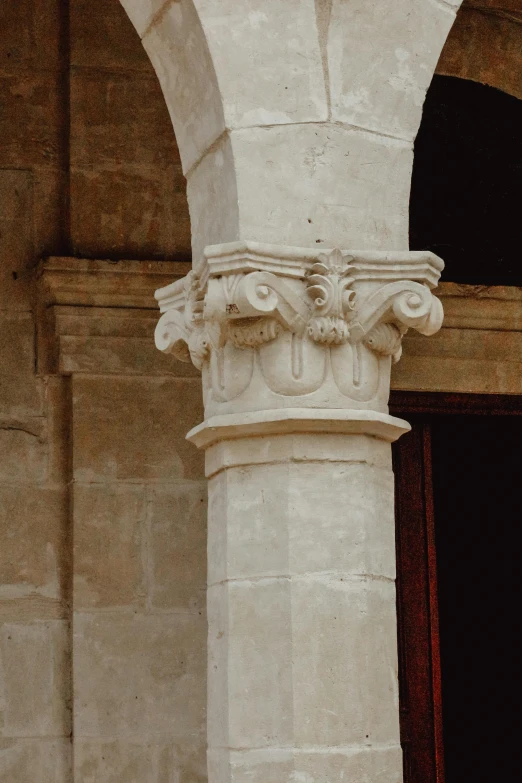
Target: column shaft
[{"x": 301, "y": 607}]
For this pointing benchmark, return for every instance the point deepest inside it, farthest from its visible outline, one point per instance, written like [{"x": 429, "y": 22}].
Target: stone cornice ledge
[{"x": 99, "y": 316}]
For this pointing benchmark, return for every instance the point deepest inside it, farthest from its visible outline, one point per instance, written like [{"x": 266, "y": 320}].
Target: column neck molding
[
  {"x": 275, "y": 327},
  {"x": 290, "y": 421}
]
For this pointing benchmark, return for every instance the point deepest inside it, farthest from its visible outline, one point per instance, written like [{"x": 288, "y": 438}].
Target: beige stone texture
[
  {"x": 133, "y": 429},
  {"x": 250, "y": 545},
  {"x": 301, "y": 589},
  {"x": 380, "y": 72},
  {"x": 109, "y": 547},
  {"x": 264, "y": 44},
  {"x": 272, "y": 766},
  {"x": 177, "y": 535},
  {"x": 138, "y": 676},
  {"x": 282, "y": 74},
  {"x": 286, "y": 189},
  {"x": 20, "y": 392},
  {"x": 34, "y": 680},
  {"x": 143, "y": 12},
  {"x": 295, "y": 123},
  {"x": 178, "y": 50},
  {"x": 24, "y": 453},
  {"x": 42, "y": 760},
  {"x": 33, "y": 542},
  {"x": 140, "y": 761}
]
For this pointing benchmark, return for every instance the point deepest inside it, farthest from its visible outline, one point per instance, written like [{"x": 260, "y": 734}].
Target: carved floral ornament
[{"x": 269, "y": 324}]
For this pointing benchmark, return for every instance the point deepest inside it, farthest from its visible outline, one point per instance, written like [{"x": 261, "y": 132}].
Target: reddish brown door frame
[
  {"x": 417, "y": 612},
  {"x": 417, "y": 606}
]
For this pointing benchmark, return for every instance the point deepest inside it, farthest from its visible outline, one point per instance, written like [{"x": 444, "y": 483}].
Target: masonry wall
[{"x": 102, "y": 523}]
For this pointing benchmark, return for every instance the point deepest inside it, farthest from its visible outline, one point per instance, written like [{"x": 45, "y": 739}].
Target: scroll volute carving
[{"x": 292, "y": 307}]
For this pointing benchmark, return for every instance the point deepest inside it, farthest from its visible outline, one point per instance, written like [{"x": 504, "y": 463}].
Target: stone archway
[{"x": 295, "y": 121}]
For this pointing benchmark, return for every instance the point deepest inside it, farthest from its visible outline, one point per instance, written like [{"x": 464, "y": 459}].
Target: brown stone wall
[
  {"x": 485, "y": 45},
  {"x": 89, "y": 163},
  {"x": 128, "y": 194}
]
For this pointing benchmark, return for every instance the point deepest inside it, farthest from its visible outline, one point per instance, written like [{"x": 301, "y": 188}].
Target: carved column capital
[{"x": 282, "y": 327}]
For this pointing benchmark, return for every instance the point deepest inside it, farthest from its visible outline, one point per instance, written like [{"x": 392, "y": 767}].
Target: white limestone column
[{"x": 295, "y": 350}]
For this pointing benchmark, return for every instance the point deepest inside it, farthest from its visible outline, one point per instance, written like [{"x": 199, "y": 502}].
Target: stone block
[
  {"x": 33, "y": 542},
  {"x": 179, "y": 52},
  {"x": 57, "y": 413},
  {"x": 379, "y": 764},
  {"x": 16, "y": 242},
  {"x": 140, "y": 675},
  {"x": 24, "y": 453},
  {"x": 279, "y": 521},
  {"x": 290, "y": 190},
  {"x": 32, "y": 101},
  {"x": 29, "y": 34},
  {"x": 178, "y": 547},
  {"x": 156, "y": 761},
  {"x": 274, "y": 44},
  {"x": 344, "y": 673},
  {"x": 134, "y": 429},
  {"x": 379, "y": 74},
  {"x": 213, "y": 199},
  {"x": 20, "y": 390},
  {"x": 104, "y": 133},
  {"x": 35, "y": 760},
  {"x": 102, "y": 36},
  {"x": 250, "y": 664},
  {"x": 124, "y": 213},
  {"x": 367, "y": 765},
  {"x": 34, "y": 680},
  {"x": 50, "y": 205},
  {"x": 476, "y": 361},
  {"x": 109, "y": 551},
  {"x": 115, "y": 355}
]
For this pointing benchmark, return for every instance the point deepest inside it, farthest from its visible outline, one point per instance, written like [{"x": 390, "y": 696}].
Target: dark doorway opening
[
  {"x": 458, "y": 510},
  {"x": 477, "y": 469}
]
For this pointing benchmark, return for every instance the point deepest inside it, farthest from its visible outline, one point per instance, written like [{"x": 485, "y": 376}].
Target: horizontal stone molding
[
  {"x": 99, "y": 316},
  {"x": 477, "y": 351},
  {"x": 297, "y": 420}
]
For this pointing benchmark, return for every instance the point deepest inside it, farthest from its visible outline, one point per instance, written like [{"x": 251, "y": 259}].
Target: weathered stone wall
[
  {"x": 35, "y": 692},
  {"x": 101, "y": 510}
]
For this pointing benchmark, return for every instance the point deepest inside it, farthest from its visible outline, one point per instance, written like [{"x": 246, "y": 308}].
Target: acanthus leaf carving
[
  {"x": 253, "y": 332},
  {"x": 347, "y": 312},
  {"x": 330, "y": 287}
]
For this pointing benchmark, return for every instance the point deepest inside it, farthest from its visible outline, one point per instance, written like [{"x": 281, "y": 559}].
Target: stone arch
[{"x": 296, "y": 120}]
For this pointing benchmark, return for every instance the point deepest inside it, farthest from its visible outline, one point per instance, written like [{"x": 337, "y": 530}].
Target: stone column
[{"x": 295, "y": 349}]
